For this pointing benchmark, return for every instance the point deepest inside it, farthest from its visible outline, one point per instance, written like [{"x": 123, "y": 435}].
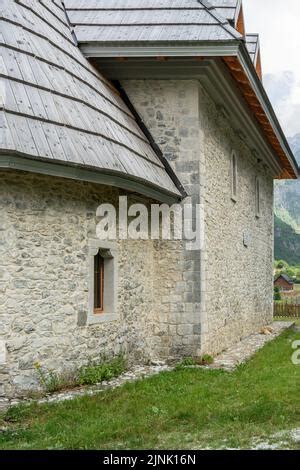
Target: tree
[
  {"x": 277, "y": 294},
  {"x": 281, "y": 264}
]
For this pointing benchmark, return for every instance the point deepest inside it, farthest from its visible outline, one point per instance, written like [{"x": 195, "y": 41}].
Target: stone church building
[{"x": 161, "y": 101}]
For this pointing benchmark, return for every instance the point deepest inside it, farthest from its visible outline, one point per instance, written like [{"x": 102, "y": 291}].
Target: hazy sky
[{"x": 278, "y": 23}]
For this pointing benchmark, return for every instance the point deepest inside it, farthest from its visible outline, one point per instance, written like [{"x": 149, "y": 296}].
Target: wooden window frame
[{"x": 98, "y": 284}]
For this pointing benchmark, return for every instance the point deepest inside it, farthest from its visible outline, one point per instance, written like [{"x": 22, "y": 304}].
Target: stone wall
[
  {"x": 46, "y": 224},
  {"x": 170, "y": 110},
  {"x": 227, "y": 287},
  {"x": 239, "y": 278},
  {"x": 172, "y": 302}
]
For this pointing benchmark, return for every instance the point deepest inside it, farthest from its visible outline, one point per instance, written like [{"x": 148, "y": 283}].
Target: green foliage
[
  {"x": 186, "y": 362},
  {"x": 204, "y": 360},
  {"x": 16, "y": 413},
  {"x": 282, "y": 267},
  {"x": 287, "y": 242},
  {"x": 52, "y": 381},
  {"x": 95, "y": 373},
  {"x": 182, "y": 409},
  {"x": 277, "y": 295},
  {"x": 281, "y": 264},
  {"x": 91, "y": 374},
  {"x": 287, "y": 216},
  {"x": 207, "y": 359}
]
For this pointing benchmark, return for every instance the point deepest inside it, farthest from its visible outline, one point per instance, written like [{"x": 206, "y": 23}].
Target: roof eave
[
  {"x": 12, "y": 160},
  {"x": 261, "y": 94},
  {"x": 225, "y": 49},
  {"x": 157, "y": 48}
]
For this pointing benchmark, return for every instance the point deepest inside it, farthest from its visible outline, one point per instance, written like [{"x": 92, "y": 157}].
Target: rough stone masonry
[
  {"x": 228, "y": 291},
  {"x": 171, "y": 302}
]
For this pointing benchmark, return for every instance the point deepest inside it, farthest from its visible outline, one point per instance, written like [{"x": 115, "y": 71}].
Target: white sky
[{"x": 278, "y": 23}]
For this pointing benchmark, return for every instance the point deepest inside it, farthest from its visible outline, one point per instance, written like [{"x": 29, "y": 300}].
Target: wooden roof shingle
[
  {"x": 56, "y": 107},
  {"x": 229, "y": 9},
  {"x": 107, "y": 30},
  {"x": 252, "y": 43},
  {"x": 117, "y": 21}
]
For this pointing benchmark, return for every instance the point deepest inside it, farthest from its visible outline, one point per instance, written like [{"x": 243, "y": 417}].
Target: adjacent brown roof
[{"x": 285, "y": 277}]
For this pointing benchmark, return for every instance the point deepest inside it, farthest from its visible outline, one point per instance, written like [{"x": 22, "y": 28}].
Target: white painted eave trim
[{"x": 203, "y": 49}]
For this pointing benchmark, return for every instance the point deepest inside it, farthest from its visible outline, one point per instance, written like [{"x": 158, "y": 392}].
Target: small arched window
[
  {"x": 98, "y": 283},
  {"x": 257, "y": 198},
  {"x": 234, "y": 177}
]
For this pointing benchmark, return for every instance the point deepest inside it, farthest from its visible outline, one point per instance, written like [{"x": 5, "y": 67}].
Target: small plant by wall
[
  {"x": 96, "y": 373},
  {"x": 204, "y": 360},
  {"x": 91, "y": 374}
]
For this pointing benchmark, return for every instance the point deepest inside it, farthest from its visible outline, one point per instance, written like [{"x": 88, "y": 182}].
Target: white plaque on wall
[{"x": 247, "y": 238}]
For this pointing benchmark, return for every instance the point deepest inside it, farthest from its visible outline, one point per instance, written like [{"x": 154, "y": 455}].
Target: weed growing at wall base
[
  {"x": 96, "y": 373},
  {"x": 91, "y": 374}
]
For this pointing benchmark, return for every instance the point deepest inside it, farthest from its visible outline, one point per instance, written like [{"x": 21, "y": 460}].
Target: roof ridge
[
  {"x": 70, "y": 26},
  {"x": 223, "y": 22}
]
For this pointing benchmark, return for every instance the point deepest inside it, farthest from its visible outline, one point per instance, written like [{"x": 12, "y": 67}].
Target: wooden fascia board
[
  {"x": 226, "y": 94},
  {"x": 259, "y": 93}
]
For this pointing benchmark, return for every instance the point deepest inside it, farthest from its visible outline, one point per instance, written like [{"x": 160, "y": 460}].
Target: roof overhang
[
  {"x": 129, "y": 61},
  {"x": 21, "y": 162}
]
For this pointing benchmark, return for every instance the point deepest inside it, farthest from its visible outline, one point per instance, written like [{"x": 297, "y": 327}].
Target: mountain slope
[
  {"x": 287, "y": 242},
  {"x": 295, "y": 145},
  {"x": 287, "y": 214}
]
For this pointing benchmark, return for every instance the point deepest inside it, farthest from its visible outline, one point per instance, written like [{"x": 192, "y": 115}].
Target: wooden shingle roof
[
  {"x": 117, "y": 21},
  {"x": 252, "y": 43},
  {"x": 56, "y": 107},
  {"x": 229, "y": 9},
  {"x": 128, "y": 31}
]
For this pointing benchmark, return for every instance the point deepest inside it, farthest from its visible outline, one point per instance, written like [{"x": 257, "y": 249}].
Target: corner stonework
[{"x": 170, "y": 110}]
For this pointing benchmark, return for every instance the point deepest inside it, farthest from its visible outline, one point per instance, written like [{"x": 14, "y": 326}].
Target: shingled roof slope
[
  {"x": 252, "y": 43},
  {"x": 118, "y": 21},
  {"x": 56, "y": 107},
  {"x": 229, "y": 9}
]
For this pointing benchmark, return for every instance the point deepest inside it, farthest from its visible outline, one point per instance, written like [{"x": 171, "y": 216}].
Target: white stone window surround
[
  {"x": 257, "y": 197},
  {"x": 110, "y": 255},
  {"x": 234, "y": 175}
]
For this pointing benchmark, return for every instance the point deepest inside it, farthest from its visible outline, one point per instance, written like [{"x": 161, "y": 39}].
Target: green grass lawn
[{"x": 182, "y": 409}]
